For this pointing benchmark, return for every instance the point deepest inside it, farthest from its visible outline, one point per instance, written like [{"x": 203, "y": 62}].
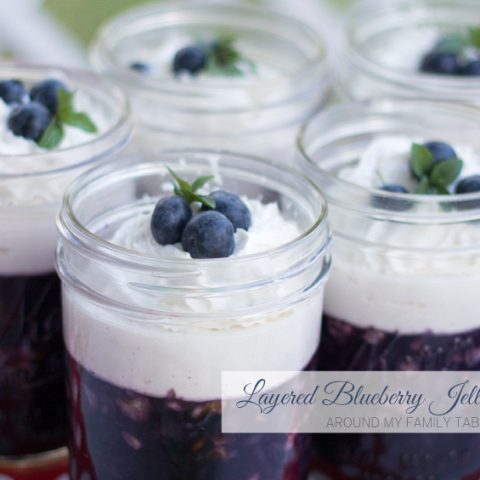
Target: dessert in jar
[
  {"x": 164, "y": 290},
  {"x": 428, "y": 49},
  {"x": 54, "y": 124},
  {"x": 213, "y": 76},
  {"x": 402, "y": 179}
]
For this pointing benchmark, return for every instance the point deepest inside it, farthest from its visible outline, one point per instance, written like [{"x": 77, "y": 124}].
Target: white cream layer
[
  {"x": 410, "y": 291},
  {"x": 154, "y": 357},
  {"x": 28, "y": 204}
]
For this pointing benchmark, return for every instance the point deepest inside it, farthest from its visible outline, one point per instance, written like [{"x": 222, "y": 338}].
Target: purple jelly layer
[
  {"x": 32, "y": 365},
  {"x": 118, "y": 434},
  {"x": 397, "y": 456}
]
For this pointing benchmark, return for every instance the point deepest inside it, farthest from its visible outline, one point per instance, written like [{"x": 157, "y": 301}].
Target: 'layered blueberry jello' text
[
  {"x": 175, "y": 280},
  {"x": 215, "y": 76},
  {"x": 403, "y": 183},
  {"x": 53, "y": 124},
  {"x": 428, "y": 49}
]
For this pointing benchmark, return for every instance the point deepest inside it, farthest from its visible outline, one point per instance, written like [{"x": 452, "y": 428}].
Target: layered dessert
[
  {"x": 146, "y": 356},
  {"x": 208, "y": 76},
  {"x": 46, "y": 120},
  {"x": 411, "y": 304}
]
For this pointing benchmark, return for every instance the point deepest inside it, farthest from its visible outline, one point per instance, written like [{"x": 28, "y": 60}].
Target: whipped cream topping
[
  {"x": 188, "y": 353},
  {"x": 412, "y": 278},
  {"x": 269, "y": 230},
  {"x": 28, "y": 203}
]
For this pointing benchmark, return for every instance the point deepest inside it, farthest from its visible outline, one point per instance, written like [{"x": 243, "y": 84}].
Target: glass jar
[
  {"x": 33, "y": 420},
  {"x": 148, "y": 337},
  {"x": 258, "y": 113},
  {"x": 384, "y": 44},
  {"x": 402, "y": 294}
]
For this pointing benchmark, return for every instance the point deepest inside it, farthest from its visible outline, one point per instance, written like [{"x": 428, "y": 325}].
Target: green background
[{"x": 83, "y": 17}]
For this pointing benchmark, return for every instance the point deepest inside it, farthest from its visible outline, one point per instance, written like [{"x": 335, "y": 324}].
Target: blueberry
[
  {"x": 209, "y": 235},
  {"x": 12, "y": 91},
  {"x": 441, "y": 151},
  {"x": 233, "y": 208},
  {"x": 468, "y": 185},
  {"x": 29, "y": 121},
  {"x": 169, "y": 220},
  {"x": 443, "y": 63},
  {"x": 141, "y": 67},
  {"x": 190, "y": 60},
  {"x": 396, "y": 204},
  {"x": 394, "y": 188},
  {"x": 46, "y": 93},
  {"x": 471, "y": 69}
]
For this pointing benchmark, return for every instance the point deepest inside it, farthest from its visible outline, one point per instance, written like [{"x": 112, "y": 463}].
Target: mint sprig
[
  {"x": 65, "y": 115},
  {"x": 435, "y": 178},
  {"x": 225, "y": 59},
  {"x": 458, "y": 42},
  {"x": 188, "y": 191}
]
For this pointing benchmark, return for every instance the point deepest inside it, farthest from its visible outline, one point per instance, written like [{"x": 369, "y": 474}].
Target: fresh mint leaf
[
  {"x": 452, "y": 43},
  {"x": 65, "y": 103},
  {"x": 421, "y": 160},
  {"x": 52, "y": 136},
  {"x": 474, "y": 37},
  {"x": 225, "y": 59},
  {"x": 423, "y": 187},
  {"x": 445, "y": 173},
  {"x": 200, "y": 182},
  {"x": 81, "y": 121},
  {"x": 188, "y": 191},
  {"x": 65, "y": 115}
]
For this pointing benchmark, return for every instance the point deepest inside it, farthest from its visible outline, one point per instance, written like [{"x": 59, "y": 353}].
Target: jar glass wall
[
  {"x": 258, "y": 112},
  {"x": 384, "y": 46},
  {"x": 33, "y": 420},
  {"x": 148, "y": 336},
  {"x": 402, "y": 293}
]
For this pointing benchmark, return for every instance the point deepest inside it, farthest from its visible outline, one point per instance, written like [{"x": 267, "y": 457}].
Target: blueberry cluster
[
  {"x": 32, "y": 111},
  {"x": 206, "y": 234},
  {"x": 436, "y": 166},
  {"x": 454, "y": 55}
]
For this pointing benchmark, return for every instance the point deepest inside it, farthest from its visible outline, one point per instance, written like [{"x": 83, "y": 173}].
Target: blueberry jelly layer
[
  {"x": 403, "y": 456},
  {"x": 169, "y": 438},
  {"x": 32, "y": 369}
]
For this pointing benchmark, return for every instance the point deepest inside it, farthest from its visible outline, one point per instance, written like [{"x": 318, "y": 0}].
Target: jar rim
[
  {"x": 103, "y": 60},
  {"x": 407, "y": 81},
  {"x": 73, "y": 230},
  {"x": 119, "y": 132},
  {"x": 358, "y": 198}
]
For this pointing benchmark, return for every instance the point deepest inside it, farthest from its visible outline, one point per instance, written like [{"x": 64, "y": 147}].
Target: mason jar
[
  {"x": 384, "y": 44},
  {"x": 403, "y": 290},
  {"x": 33, "y": 421},
  {"x": 258, "y": 113},
  {"x": 149, "y": 331}
]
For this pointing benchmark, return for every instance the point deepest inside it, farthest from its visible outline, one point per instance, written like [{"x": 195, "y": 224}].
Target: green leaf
[
  {"x": 187, "y": 191},
  {"x": 474, "y": 36},
  {"x": 52, "y": 136},
  {"x": 200, "y": 182},
  {"x": 421, "y": 160},
  {"x": 182, "y": 184},
  {"x": 204, "y": 200},
  {"x": 445, "y": 173},
  {"x": 452, "y": 43},
  {"x": 65, "y": 104},
  {"x": 423, "y": 186},
  {"x": 225, "y": 59},
  {"x": 81, "y": 121},
  {"x": 66, "y": 113}
]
